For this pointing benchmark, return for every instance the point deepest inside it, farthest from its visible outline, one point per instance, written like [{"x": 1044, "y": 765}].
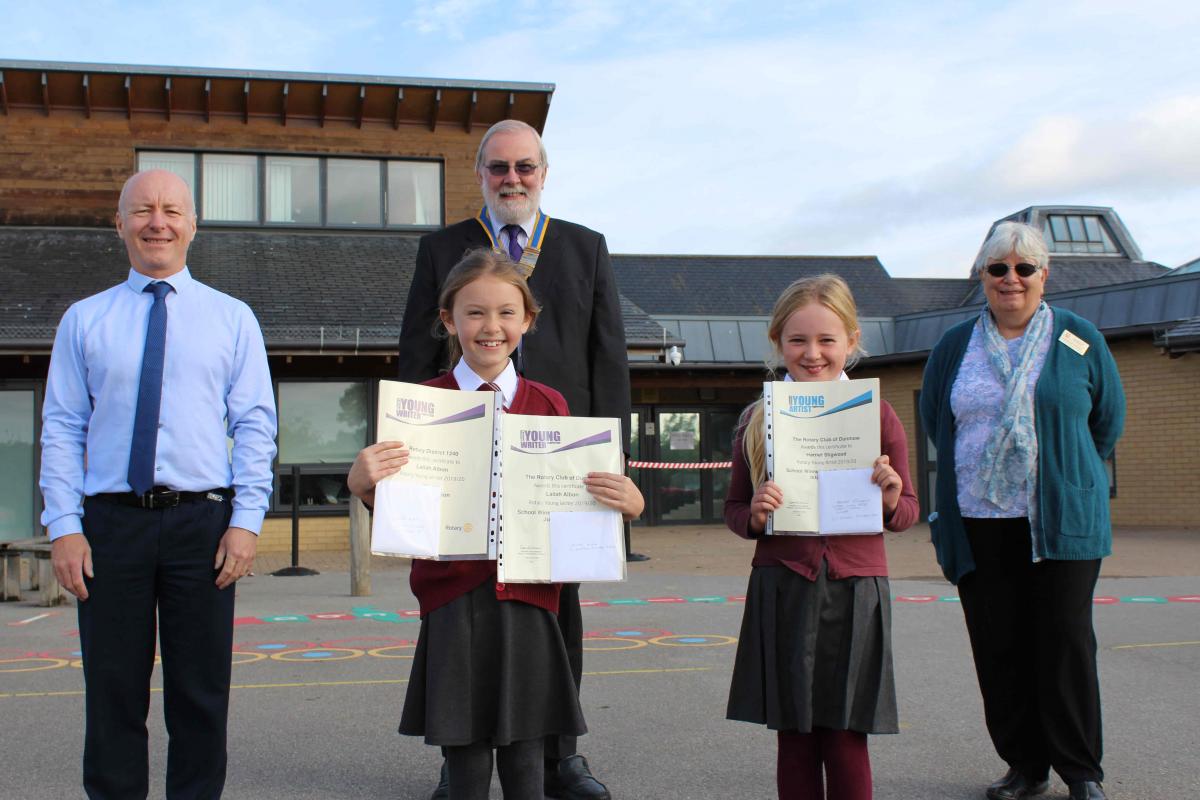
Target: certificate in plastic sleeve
[
  {"x": 551, "y": 529},
  {"x": 439, "y": 505},
  {"x": 812, "y": 427}
]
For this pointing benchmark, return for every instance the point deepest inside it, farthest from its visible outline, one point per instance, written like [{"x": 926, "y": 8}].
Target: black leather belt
[{"x": 161, "y": 497}]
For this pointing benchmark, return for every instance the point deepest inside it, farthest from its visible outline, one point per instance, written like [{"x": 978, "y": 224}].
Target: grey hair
[
  {"x": 510, "y": 126},
  {"x": 1008, "y": 238}
]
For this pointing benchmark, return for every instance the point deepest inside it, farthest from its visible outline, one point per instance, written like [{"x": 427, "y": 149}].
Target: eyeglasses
[
  {"x": 498, "y": 169},
  {"x": 999, "y": 269}
]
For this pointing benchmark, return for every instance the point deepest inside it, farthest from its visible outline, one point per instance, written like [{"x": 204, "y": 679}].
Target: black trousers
[
  {"x": 155, "y": 566},
  {"x": 570, "y": 622},
  {"x": 1031, "y": 634}
]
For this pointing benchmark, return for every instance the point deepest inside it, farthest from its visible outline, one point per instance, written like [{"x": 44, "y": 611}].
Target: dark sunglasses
[
  {"x": 498, "y": 169},
  {"x": 999, "y": 270}
]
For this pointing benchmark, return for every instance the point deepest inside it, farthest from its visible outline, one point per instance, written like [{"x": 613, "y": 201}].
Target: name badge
[{"x": 1074, "y": 342}]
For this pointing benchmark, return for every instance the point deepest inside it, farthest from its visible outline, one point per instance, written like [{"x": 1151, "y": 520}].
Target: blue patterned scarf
[{"x": 1010, "y": 455}]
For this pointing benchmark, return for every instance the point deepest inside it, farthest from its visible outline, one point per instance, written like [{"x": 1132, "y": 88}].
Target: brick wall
[
  {"x": 1156, "y": 457},
  {"x": 1156, "y": 466},
  {"x": 316, "y": 533},
  {"x": 65, "y": 169}
]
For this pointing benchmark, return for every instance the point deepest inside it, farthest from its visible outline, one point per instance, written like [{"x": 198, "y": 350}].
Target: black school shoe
[
  {"x": 1086, "y": 790},
  {"x": 442, "y": 792},
  {"x": 573, "y": 780},
  {"x": 1014, "y": 786}
]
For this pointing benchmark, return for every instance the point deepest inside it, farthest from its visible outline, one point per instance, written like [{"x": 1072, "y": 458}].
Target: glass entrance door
[
  {"x": 666, "y": 435},
  {"x": 678, "y": 493}
]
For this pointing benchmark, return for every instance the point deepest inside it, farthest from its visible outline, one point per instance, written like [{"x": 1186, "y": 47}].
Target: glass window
[
  {"x": 293, "y": 190},
  {"x": 16, "y": 465},
  {"x": 1059, "y": 227},
  {"x": 353, "y": 195},
  {"x": 1078, "y": 234},
  {"x": 316, "y": 489},
  {"x": 414, "y": 193},
  {"x": 727, "y": 344},
  {"x": 678, "y": 490},
  {"x": 229, "y": 188},
  {"x": 182, "y": 164},
  {"x": 699, "y": 343},
  {"x": 321, "y": 422}
]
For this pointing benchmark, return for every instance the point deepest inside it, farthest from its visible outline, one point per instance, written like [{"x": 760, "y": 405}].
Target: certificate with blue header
[
  {"x": 815, "y": 427},
  {"x": 551, "y": 529},
  {"x": 439, "y": 505}
]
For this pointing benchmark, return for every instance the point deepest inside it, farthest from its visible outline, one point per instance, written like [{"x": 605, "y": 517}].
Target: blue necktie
[
  {"x": 145, "y": 418},
  {"x": 515, "y": 251}
]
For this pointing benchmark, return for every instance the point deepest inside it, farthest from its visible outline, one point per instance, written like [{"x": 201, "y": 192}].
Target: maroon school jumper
[
  {"x": 847, "y": 556},
  {"x": 436, "y": 583}
]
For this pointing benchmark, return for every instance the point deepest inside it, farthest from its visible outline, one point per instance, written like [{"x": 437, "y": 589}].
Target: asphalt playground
[{"x": 319, "y": 677}]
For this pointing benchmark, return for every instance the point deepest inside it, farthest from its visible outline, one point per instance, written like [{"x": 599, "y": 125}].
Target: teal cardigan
[{"x": 1079, "y": 412}]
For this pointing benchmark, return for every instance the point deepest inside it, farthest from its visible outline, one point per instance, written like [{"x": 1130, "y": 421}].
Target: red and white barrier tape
[{"x": 680, "y": 464}]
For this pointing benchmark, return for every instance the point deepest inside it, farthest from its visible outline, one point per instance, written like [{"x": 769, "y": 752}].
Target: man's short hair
[{"x": 510, "y": 126}]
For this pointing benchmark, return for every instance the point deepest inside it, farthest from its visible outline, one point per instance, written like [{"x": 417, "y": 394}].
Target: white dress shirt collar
[
  {"x": 497, "y": 226},
  {"x": 469, "y": 381}
]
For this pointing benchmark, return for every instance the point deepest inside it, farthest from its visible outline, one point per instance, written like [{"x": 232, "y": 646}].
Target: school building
[{"x": 312, "y": 191}]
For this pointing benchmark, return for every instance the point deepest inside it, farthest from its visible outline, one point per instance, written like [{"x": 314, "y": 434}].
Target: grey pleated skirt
[
  {"x": 815, "y": 654},
  {"x": 490, "y": 671}
]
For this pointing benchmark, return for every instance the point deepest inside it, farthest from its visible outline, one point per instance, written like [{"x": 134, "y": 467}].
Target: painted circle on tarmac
[
  {"x": 62, "y": 652},
  {"x": 628, "y": 633},
  {"x": 247, "y": 658},
  {"x": 693, "y": 640},
  {"x": 272, "y": 647},
  {"x": 621, "y": 644},
  {"x": 392, "y": 651},
  {"x": 31, "y": 664},
  {"x": 367, "y": 642},
  {"x": 318, "y": 654}
]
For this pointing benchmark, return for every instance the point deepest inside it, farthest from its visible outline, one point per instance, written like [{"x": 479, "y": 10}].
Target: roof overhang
[{"x": 57, "y": 86}]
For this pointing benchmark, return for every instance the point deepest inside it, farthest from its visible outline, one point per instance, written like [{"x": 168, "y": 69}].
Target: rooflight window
[{"x": 1077, "y": 233}]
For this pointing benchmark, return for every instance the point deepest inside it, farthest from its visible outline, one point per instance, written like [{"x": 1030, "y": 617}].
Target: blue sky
[{"x": 892, "y": 129}]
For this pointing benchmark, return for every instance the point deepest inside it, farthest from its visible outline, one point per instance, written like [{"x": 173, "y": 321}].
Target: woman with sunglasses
[{"x": 1024, "y": 404}]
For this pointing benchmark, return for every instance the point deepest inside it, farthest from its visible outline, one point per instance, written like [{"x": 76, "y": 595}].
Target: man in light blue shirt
[{"x": 150, "y": 515}]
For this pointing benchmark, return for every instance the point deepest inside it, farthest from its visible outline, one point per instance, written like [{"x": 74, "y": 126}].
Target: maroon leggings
[{"x": 841, "y": 755}]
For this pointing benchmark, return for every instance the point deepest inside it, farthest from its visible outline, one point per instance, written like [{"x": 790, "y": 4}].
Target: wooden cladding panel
[{"x": 68, "y": 170}]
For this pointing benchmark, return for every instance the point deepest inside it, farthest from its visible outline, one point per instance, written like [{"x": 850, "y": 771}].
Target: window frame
[
  {"x": 281, "y": 472},
  {"x": 322, "y": 188}
]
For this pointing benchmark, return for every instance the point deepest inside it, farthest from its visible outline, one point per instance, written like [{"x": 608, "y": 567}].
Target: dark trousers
[
  {"x": 1031, "y": 634},
  {"x": 152, "y": 564},
  {"x": 570, "y": 622}
]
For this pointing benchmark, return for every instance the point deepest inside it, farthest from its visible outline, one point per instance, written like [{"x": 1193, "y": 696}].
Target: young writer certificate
[
  {"x": 551, "y": 528},
  {"x": 438, "y": 506},
  {"x": 816, "y": 427}
]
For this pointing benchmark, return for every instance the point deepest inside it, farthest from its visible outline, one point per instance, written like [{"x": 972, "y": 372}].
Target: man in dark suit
[{"x": 577, "y": 348}]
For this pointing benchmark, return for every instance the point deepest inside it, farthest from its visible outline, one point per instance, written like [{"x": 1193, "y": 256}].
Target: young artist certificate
[
  {"x": 817, "y": 427},
  {"x": 551, "y": 528},
  {"x": 438, "y": 505}
]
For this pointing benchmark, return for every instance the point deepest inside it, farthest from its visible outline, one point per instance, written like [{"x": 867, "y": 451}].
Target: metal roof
[{"x": 1122, "y": 308}]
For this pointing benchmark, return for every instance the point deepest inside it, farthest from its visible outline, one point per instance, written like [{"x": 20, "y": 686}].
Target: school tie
[
  {"x": 515, "y": 251},
  {"x": 488, "y": 386},
  {"x": 145, "y": 418}
]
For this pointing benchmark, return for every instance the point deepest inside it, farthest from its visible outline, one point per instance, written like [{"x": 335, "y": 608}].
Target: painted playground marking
[
  {"x": 371, "y": 682},
  {"x": 372, "y": 614}
]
